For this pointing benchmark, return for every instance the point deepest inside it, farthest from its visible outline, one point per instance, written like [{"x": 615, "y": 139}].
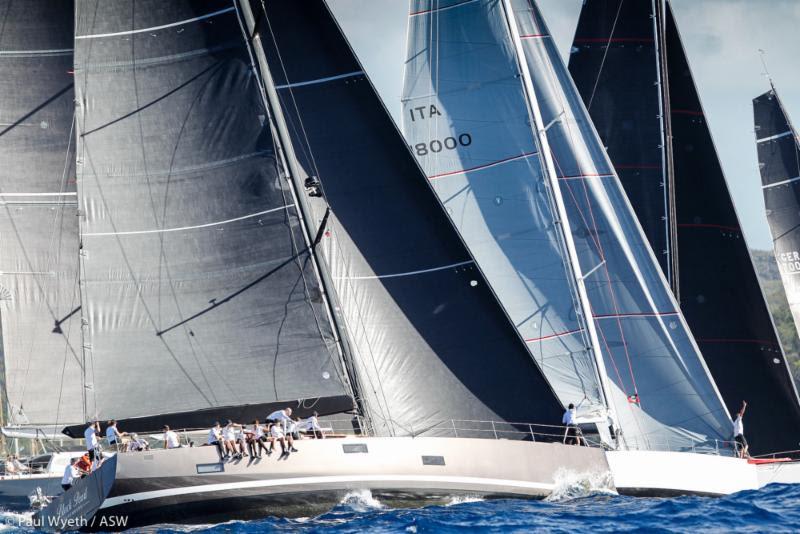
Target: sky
[{"x": 722, "y": 39}]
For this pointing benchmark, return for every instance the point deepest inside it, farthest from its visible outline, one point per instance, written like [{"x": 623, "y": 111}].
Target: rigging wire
[{"x": 605, "y": 54}]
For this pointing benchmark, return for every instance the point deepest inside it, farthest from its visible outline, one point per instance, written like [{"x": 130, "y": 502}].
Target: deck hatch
[
  {"x": 352, "y": 448},
  {"x": 210, "y": 468}
]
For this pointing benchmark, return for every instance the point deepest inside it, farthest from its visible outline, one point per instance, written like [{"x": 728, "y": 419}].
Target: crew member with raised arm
[{"x": 738, "y": 432}]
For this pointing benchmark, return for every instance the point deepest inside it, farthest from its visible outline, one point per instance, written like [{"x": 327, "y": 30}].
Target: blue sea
[{"x": 772, "y": 509}]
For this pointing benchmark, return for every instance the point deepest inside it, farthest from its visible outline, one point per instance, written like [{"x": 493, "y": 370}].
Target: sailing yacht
[
  {"x": 497, "y": 124},
  {"x": 778, "y": 147},
  {"x": 634, "y": 76},
  {"x": 256, "y": 233}
]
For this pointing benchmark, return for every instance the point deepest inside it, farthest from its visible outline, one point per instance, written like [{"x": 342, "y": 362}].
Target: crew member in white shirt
[
  {"x": 738, "y": 433},
  {"x": 568, "y": 420},
  {"x": 215, "y": 438},
  {"x": 171, "y": 440},
  {"x": 259, "y": 442},
  {"x": 70, "y": 474},
  {"x": 90, "y": 435},
  {"x": 229, "y": 437},
  {"x": 114, "y": 437},
  {"x": 312, "y": 424}
]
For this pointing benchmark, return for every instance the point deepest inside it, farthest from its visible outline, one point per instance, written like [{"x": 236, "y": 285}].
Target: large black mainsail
[
  {"x": 41, "y": 341},
  {"x": 631, "y": 69},
  {"x": 431, "y": 341},
  {"x": 779, "y": 161},
  {"x": 198, "y": 289}
]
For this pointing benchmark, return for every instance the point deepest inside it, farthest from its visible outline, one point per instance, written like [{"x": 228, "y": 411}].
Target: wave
[
  {"x": 570, "y": 485},
  {"x": 361, "y": 501}
]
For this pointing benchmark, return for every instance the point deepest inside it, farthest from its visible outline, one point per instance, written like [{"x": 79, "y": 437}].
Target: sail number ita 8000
[{"x": 437, "y": 145}]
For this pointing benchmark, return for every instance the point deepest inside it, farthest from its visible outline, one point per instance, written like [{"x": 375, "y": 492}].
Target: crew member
[
  {"x": 114, "y": 437},
  {"x": 90, "y": 434},
  {"x": 171, "y": 440},
  {"x": 738, "y": 433},
  {"x": 568, "y": 420}
]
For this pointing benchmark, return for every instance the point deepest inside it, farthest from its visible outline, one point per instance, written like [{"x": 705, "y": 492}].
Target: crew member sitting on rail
[
  {"x": 90, "y": 434},
  {"x": 229, "y": 439},
  {"x": 279, "y": 434},
  {"x": 571, "y": 434},
  {"x": 259, "y": 440},
  {"x": 114, "y": 437},
  {"x": 242, "y": 439},
  {"x": 215, "y": 438},
  {"x": 171, "y": 440},
  {"x": 738, "y": 433}
]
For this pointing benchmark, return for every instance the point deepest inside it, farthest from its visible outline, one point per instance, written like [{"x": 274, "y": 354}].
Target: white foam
[
  {"x": 575, "y": 485},
  {"x": 462, "y": 499},
  {"x": 361, "y": 501}
]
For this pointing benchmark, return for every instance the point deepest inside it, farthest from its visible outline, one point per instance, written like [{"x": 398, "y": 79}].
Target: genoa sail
[
  {"x": 658, "y": 386},
  {"x": 632, "y": 72},
  {"x": 430, "y": 340},
  {"x": 779, "y": 161},
  {"x": 463, "y": 122},
  {"x": 198, "y": 288},
  {"x": 39, "y": 294}
]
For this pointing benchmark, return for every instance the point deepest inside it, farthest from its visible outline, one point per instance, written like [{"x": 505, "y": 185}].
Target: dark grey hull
[{"x": 191, "y": 486}]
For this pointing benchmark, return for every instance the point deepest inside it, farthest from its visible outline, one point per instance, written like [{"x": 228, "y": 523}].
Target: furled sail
[
  {"x": 430, "y": 339},
  {"x": 631, "y": 69},
  {"x": 198, "y": 288},
  {"x": 656, "y": 380},
  {"x": 39, "y": 298},
  {"x": 779, "y": 161}
]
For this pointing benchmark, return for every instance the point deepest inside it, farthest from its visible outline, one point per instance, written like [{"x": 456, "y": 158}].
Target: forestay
[
  {"x": 430, "y": 340},
  {"x": 461, "y": 114},
  {"x": 198, "y": 288},
  {"x": 659, "y": 388},
  {"x": 39, "y": 302}
]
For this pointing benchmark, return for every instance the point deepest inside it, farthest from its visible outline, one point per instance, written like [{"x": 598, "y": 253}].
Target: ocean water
[{"x": 775, "y": 508}]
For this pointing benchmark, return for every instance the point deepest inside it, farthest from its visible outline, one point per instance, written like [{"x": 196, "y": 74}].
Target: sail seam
[
  {"x": 154, "y": 28},
  {"x": 485, "y": 166},
  {"x": 164, "y": 230},
  {"x": 33, "y": 53},
  {"x": 320, "y": 80},
  {"x": 784, "y": 182},
  {"x": 440, "y": 9},
  {"x": 553, "y": 336},
  {"x": 408, "y": 273},
  {"x": 787, "y": 133}
]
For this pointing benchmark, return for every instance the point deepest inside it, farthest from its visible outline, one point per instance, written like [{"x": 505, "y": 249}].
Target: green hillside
[{"x": 773, "y": 288}]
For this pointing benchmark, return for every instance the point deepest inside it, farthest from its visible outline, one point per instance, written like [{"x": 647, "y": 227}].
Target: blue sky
[{"x": 722, "y": 38}]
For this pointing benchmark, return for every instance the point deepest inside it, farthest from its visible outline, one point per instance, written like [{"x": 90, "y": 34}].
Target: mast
[
  {"x": 562, "y": 220},
  {"x": 659, "y": 24},
  {"x": 289, "y": 161}
]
